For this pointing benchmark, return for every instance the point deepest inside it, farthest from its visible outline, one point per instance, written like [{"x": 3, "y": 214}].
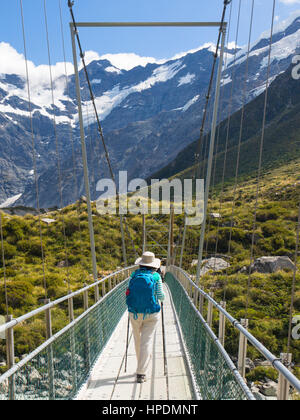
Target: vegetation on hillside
[{"x": 269, "y": 294}]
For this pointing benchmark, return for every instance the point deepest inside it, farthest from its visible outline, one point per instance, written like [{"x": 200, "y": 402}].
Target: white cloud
[
  {"x": 89, "y": 56},
  {"x": 127, "y": 61},
  {"x": 290, "y": 1}
]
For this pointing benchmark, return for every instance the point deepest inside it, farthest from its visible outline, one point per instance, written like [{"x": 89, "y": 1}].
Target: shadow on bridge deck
[{"x": 108, "y": 381}]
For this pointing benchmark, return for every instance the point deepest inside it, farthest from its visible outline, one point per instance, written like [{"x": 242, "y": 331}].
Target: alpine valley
[{"x": 149, "y": 115}]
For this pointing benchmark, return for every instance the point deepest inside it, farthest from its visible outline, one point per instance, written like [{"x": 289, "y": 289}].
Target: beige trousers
[{"x": 143, "y": 333}]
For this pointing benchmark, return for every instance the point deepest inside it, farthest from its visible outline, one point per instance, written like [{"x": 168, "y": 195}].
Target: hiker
[{"x": 142, "y": 298}]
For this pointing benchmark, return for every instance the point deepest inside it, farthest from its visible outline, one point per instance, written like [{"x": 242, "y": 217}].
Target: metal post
[
  {"x": 144, "y": 234},
  {"x": 103, "y": 289},
  {"x": 210, "y": 158},
  {"x": 283, "y": 385},
  {"x": 97, "y": 295},
  {"x": 10, "y": 356},
  {"x": 85, "y": 299},
  {"x": 50, "y": 351},
  {"x": 71, "y": 309},
  {"x": 243, "y": 350},
  {"x": 72, "y": 344},
  {"x": 210, "y": 310},
  {"x": 222, "y": 325},
  {"x": 196, "y": 298},
  {"x": 87, "y": 329},
  {"x": 183, "y": 243},
  {"x": 84, "y": 159},
  {"x": 201, "y": 304}
]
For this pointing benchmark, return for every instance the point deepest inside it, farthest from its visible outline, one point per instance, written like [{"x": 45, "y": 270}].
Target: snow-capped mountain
[{"x": 149, "y": 113}]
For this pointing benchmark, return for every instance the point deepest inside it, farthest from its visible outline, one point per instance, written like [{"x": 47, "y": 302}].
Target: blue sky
[{"x": 158, "y": 43}]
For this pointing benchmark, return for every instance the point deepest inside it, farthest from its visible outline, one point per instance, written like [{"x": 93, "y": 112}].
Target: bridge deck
[{"x": 108, "y": 381}]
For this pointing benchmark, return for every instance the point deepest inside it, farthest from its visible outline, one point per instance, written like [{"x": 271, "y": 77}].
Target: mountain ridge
[{"x": 156, "y": 107}]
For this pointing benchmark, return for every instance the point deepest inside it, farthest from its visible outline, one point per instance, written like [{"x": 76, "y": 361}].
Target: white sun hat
[{"x": 148, "y": 260}]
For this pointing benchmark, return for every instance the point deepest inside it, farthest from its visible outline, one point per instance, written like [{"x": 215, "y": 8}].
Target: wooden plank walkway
[{"x": 108, "y": 381}]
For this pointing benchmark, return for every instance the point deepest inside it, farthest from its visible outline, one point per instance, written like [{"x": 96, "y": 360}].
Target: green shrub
[
  {"x": 10, "y": 251},
  {"x": 15, "y": 228},
  {"x": 19, "y": 294},
  {"x": 260, "y": 373}
]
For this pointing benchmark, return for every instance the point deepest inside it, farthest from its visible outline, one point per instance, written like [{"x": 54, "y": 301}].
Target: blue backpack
[{"x": 140, "y": 297}]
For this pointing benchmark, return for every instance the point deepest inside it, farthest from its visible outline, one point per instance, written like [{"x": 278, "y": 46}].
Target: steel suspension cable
[
  {"x": 89, "y": 123},
  {"x": 219, "y": 126},
  {"x": 228, "y": 126},
  {"x": 199, "y": 145},
  {"x": 57, "y": 148},
  {"x": 240, "y": 133},
  {"x": 71, "y": 131},
  {"x": 100, "y": 131},
  {"x": 70, "y": 5},
  {"x": 33, "y": 145},
  {"x": 260, "y": 158}
]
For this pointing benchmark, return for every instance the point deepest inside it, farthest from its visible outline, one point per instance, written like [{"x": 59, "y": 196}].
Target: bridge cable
[
  {"x": 57, "y": 149},
  {"x": 240, "y": 135},
  {"x": 218, "y": 134},
  {"x": 260, "y": 159},
  {"x": 33, "y": 145},
  {"x": 70, "y": 4},
  {"x": 71, "y": 132},
  {"x": 202, "y": 145},
  {"x": 90, "y": 145},
  {"x": 227, "y": 135},
  {"x": 200, "y": 141},
  {"x": 100, "y": 131}
]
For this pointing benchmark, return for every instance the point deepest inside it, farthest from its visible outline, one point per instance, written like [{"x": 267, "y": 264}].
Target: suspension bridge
[{"x": 87, "y": 359}]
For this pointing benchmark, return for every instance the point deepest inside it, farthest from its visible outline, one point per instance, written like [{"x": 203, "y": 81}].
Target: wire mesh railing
[
  {"x": 59, "y": 367},
  {"x": 190, "y": 292},
  {"x": 215, "y": 375}
]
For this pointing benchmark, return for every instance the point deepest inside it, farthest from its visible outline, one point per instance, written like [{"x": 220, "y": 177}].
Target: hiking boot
[{"x": 140, "y": 379}]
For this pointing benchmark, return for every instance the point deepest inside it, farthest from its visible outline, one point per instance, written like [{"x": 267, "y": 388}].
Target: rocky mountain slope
[
  {"x": 149, "y": 114},
  {"x": 281, "y": 138}
]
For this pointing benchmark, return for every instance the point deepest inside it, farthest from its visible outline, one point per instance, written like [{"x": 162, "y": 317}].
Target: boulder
[
  {"x": 257, "y": 395},
  {"x": 215, "y": 264},
  {"x": 269, "y": 389},
  {"x": 267, "y": 265}
]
